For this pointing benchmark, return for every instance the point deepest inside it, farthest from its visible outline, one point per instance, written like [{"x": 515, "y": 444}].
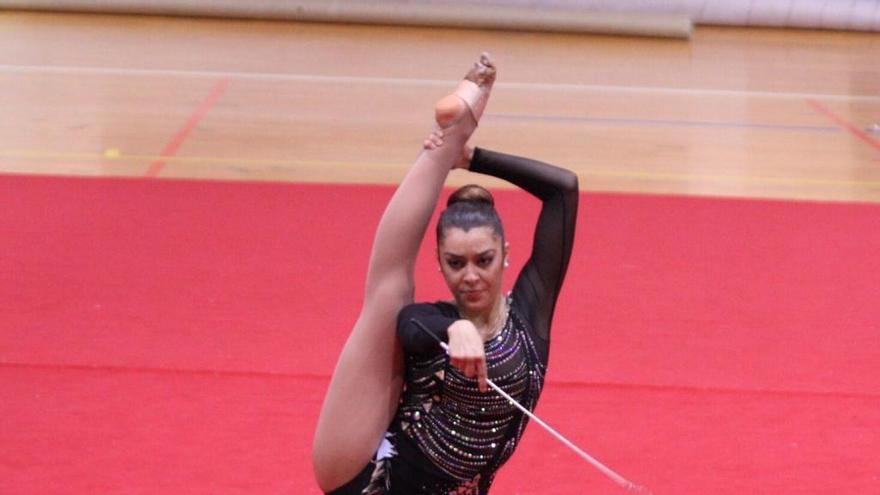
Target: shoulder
[
  {"x": 517, "y": 304},
  {"x": 523, "y": 310},
  {"x": 442, "y": 308}
]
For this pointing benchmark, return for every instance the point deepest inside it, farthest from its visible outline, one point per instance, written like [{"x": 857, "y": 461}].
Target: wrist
[{"x": 468, "y": 157}]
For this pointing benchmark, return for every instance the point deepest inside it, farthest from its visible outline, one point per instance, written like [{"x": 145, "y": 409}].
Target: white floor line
[{"x": 312, "y": 78}]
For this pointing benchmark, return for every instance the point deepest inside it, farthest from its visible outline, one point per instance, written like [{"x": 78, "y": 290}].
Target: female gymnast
[{"x": 447, "y": 434}]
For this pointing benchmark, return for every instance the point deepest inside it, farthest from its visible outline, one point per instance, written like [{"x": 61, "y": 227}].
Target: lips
[{"x": 473, "y": 295}]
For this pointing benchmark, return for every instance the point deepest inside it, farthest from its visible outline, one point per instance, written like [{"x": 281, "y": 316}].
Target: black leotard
[{"x": 447, "y": 436}]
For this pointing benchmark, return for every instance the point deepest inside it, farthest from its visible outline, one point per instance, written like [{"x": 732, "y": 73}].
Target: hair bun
[{"x": 473, "y": 194}]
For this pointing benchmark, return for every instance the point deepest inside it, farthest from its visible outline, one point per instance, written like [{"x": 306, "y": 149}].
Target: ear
[{"x": 506, "y": 253}]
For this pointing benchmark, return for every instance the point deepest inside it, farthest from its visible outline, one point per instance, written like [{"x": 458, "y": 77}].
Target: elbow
[
  {"x": 570, "y": 182},
  {"x": 563, "y": 187},
  {"x": 567, "y": 187},
  {"x": 570, "y": 190}
]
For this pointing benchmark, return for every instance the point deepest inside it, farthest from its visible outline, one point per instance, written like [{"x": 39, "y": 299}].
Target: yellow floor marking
[{"x": 117, "y": 155}]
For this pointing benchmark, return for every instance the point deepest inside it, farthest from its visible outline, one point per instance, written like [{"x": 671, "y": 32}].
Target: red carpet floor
[{"x": 177, "y": 337}]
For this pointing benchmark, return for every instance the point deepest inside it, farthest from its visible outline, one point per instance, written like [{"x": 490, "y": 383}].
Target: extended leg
[{"x": 366, "y": 383}]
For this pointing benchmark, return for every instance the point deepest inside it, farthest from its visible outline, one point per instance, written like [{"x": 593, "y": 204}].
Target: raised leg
[{"x": 366, "y": 384}]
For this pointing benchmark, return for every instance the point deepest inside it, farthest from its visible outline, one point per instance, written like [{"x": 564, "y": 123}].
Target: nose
[{"x": 470, "y": 275}]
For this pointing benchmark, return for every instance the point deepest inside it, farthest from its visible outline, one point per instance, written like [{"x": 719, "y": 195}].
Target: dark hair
[{"x": 468, "y": 207}]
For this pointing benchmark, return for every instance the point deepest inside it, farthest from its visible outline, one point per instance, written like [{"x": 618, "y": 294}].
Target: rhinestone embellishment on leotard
[{"x": 468, "y": 432}]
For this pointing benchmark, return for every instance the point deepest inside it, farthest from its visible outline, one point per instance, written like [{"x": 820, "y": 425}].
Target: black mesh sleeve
[{"x": 541, "y": 278}]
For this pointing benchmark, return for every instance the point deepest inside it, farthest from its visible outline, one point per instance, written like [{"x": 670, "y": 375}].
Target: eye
[
  {"x": 453, "y": 263},
  {"x": 485, "y": 260}
]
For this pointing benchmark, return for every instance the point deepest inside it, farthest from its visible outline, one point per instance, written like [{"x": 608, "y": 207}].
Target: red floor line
[
  {"x": 859, "y": 133},
  {"x": 178, "y": 139},
  {"x": 561, "y": 384}
]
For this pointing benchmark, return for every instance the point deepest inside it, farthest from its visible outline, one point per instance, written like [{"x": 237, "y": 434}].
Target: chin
[{"x": 479, "y": 305}]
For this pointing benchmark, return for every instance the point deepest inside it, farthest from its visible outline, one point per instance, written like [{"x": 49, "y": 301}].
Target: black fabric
[{"x": 436, "y": 317}]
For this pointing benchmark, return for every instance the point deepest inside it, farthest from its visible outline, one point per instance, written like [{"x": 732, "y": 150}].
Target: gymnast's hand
[
  {"x": 435, "y": 140},
  {"x": 466, "y": 351}
]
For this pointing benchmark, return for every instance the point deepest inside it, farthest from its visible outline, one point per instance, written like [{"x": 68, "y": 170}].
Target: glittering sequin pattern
[{"x": 466, "y": 433}]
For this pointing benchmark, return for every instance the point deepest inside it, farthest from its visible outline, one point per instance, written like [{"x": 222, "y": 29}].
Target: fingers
[
  {"x": 434, "y": 140},
  {"x": 473, "y": 366},
  {"x": 482, "y": 375}
]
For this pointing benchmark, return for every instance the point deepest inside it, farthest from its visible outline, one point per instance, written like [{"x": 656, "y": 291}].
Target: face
[{"x": 472, "y": 263}]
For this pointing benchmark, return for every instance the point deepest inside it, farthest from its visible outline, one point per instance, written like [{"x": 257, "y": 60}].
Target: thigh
[{"x": 360, "y": 403}]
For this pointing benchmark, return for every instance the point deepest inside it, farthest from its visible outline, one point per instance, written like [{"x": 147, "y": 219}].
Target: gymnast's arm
[
  {"x": 541, "y": 278},
  {"x": 413, "y": 339},
  {"x": 444, "y": 324}
]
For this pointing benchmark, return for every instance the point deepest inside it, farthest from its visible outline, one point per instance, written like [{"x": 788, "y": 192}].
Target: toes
[
  {"x": 486, "y": 60},
  {"x": 485, "y": 68}
]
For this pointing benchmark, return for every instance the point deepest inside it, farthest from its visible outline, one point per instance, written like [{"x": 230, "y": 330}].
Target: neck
[{"x": 489, "y": 322}]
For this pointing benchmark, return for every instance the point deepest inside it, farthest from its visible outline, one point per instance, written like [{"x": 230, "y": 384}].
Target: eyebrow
[{"x": 484, "y": 253}]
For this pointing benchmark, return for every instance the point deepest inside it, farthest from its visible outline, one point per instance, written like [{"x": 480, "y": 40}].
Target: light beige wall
[
  {"x": 419, "y": 13},
  {"x": 631, "y": 17}
]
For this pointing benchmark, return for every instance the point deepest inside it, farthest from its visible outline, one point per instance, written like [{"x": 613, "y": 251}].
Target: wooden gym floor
[{"x": 733, "y": 112}]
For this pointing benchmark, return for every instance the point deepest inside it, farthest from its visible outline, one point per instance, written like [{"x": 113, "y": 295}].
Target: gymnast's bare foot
[{"x": 471, "y": 95}]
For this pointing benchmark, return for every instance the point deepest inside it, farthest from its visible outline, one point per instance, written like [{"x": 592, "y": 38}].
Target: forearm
[
  {"x": 413, "y": 338},
  {"x": 540, "y": 179}
]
